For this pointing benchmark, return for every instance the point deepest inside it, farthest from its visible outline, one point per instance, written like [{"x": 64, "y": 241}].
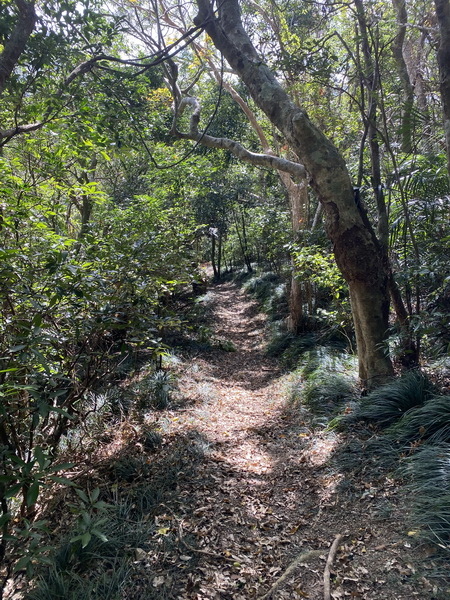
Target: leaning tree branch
[{"x": 296, "y": 170}]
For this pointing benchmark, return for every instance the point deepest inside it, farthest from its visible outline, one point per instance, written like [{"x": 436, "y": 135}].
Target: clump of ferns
[{"x": 388, "y": 403}]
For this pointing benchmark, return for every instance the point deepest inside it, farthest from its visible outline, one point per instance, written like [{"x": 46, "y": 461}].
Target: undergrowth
[
  {"x": 325, "y": 380},
  {"x": 270, "y": 292},
  {"x": 409, "y": 433},
  {"x": 387, "y": 403},
  {"x": 132, "y": 544},
  {"x": 428, "y": 473}
]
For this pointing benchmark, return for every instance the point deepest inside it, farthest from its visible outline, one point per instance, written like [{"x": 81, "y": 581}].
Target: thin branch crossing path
[{"x": 268, "y": 497}]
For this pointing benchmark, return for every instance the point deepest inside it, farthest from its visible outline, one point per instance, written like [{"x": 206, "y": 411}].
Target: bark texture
[
  {"x": 356, "y": 248},
  {"x": 403, "y": 75},
  {"x": 443, "y": 57},
  {"x": 17, "y": 41}
]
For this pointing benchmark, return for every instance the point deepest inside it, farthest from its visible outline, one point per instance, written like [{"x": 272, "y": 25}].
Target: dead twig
[
  {"x": 326, "y": 573},
  {"x": 207, "y": 553},
  {"x": 303, "y": 557}
]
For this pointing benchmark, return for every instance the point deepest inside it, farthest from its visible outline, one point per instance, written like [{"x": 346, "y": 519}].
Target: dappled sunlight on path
[{"x": 266, "y": 489}]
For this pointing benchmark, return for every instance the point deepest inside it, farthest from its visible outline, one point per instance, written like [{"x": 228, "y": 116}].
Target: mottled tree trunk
[
  {"x": 298, "y": 200},
  {"x": 356, "y": 249}
]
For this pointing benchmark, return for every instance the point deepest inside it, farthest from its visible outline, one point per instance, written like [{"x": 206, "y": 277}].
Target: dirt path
[{"x": 269, "y": 488}]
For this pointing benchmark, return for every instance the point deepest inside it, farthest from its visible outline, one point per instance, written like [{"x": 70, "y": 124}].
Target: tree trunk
[
  {"x": 298, "y": 200},
  {"x": 356, "y": 249},
  {"x": 17, "y": 41},
  {"x": 371, "y": 82},
  {"x": 213, "y": 257},
  {"x": 443, "y": 58},
  {"x": 403, "y": 75},
  {"x": 219, "y": 255}
]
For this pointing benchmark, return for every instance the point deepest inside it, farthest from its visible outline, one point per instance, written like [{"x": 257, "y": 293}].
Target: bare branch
[{"x": 295, "y": 169}]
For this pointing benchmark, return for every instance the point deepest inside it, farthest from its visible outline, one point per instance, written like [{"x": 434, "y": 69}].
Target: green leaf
[
  {"x": 40, "y": 456},
  {"x": 61, "y": 467},
  {"x": 82, "y": 495},
  {"x": 85, "y": 539},
  {"x": 17, "y": 348},
  {"x": 62, "y": 412},
  {"x": 33, "y": 493},
  {"x": 5, "y": 518},
  {"x": 62, "y": 480},
  {"x": 22, "y": 563},
  {"x": 12, "y": 491},
  {"x": 101, "y": 536}
]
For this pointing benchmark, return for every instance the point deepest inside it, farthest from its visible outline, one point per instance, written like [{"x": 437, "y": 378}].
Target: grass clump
[
  {"x": 388, "y": 403},
  {"x": 327, "y": 380},
  {"x": 428, "y": 422},
  {"x": 429, "y": 473},
  {"x": 325, "y": 393},
  {"x": 154, "y": 390},
  {"x": 270, "y": 292},
  {"x": 105, "y": 586}
]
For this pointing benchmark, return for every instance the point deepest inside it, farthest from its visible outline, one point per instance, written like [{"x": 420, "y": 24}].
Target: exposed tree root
[
  {"x": 303, "y": 557},
  {"x": 326, "y": 573}
]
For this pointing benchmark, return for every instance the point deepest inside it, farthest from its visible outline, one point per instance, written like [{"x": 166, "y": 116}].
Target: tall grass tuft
[
  {"x": 327, "y": 380},
  {"x": 428, "y": 422},
  {"x": 270, "y": 292},
  {"x": 388, "y": 403},
  {"x": 428, "y": 471},
  {"x": 324, "y": 394}
]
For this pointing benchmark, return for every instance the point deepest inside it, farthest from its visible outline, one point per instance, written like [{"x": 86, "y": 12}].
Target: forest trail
[{"x": 267, "y": 488}]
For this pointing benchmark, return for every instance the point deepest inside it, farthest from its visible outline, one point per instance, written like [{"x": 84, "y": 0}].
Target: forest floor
[
  {"x": 246, "y": 495},
  {"x": 259, "y": 512}
]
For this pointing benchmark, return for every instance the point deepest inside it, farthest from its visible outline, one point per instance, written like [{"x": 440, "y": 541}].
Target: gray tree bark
[{"x": 356, "y": 248}]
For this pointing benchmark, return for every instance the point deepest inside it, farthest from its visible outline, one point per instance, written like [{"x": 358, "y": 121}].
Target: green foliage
[
  {"x": 325, "y": 393},
  {"x": 90, "y": 512},
  {"x": 388, "y": 403},
  {"x": 74, "y": 311},
  {"x": 311, "y": 263},
  {"x": 107, "y": 586},
  {"x": 128, "y": 523},
  {"x": 155, "y": 389}
]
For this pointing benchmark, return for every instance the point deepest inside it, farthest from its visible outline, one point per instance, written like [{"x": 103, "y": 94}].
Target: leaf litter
[
  {"x": 267, "y": 494},
  {"x": 265, "y": 510}
]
